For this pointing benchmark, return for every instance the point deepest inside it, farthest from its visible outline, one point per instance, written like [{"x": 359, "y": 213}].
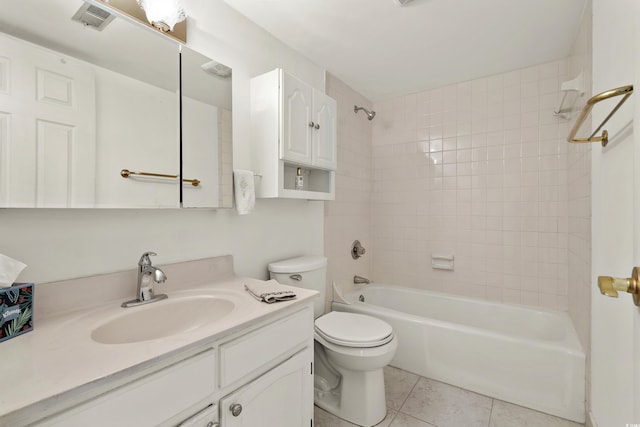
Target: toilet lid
[{"x": 353, "y": 330}]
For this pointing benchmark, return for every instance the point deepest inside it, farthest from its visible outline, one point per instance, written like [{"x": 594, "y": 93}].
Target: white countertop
[{"x": 59, "y": 361}]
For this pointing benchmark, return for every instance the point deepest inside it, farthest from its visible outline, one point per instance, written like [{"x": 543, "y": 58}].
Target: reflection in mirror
[
  {"x": 78, "y": 105},
  {"x": 206, "y": 131}
]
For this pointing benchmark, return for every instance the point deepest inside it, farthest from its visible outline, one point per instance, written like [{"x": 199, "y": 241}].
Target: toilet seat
[{"x": 353, "y": 330}]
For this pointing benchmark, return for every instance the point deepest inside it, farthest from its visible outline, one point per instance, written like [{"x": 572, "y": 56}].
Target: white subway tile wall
[
  {"x": 348, "y": 217},
  {"x": 579, "y": 185},
  {"x": 478, "y": 170}
]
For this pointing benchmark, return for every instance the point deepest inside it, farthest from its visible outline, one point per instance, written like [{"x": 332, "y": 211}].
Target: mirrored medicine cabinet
[{"x": 103, "y": 112}]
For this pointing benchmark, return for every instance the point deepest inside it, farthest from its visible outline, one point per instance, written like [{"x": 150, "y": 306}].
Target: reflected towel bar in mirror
[
  {"x": 604, "y": 138},
  {"x": 126, "y": 173}
]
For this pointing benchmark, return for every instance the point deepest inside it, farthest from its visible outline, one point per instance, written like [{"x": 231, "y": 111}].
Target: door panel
[{"x": 615, "y": 353}]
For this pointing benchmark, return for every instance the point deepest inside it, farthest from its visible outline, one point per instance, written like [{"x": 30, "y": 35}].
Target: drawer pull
[{"x": 236, "y": 409}]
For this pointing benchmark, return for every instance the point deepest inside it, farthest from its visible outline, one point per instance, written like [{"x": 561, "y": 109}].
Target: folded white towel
[
  {"x": 269, "y": 291},
  {"x": 244, "y": 191}
]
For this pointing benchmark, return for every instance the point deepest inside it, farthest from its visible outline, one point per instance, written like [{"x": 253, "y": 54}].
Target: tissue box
[{"x": 16, "y": 310}]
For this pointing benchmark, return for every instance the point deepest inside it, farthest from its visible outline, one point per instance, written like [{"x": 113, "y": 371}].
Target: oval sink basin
[{"x": 162, "y": 319}]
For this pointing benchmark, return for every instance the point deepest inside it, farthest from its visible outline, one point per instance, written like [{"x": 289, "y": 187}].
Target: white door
[
  {"x": 296, "y": 120},
  {"x": 615, "y": 327},
  {"x": 283, "y": 397},
  {"x": 47, "y": 128},
  {"x": 324, "y": 133}
]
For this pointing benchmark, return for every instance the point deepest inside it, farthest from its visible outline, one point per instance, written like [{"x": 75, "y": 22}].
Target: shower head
[{"x": 370, "y": 114}]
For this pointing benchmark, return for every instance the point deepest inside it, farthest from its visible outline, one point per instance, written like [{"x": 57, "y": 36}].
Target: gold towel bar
[
  {"x": 604, "y": 138},
  {"x": 126, "y": 173}
]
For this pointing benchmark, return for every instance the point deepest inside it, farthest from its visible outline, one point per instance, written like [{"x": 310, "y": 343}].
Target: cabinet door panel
[
  {"x": 283, "y": 397},
  {"x": 296, "y": 117},
  {"x": 325, "y": 133}
]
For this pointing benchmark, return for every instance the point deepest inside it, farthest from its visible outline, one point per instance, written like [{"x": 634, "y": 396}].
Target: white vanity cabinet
[
  {"x": 150, "y": 401},
  {"x": 261, "y": 375},
  {"x": 293, "y": 126}
]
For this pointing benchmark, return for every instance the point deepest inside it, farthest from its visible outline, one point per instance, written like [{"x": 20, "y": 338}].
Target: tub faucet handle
[
  {"x": 357, "y": 250},
  {"x": 610, "y": 286}
]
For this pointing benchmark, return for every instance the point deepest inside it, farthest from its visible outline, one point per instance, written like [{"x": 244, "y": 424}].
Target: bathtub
[{"x": 527, "y": 356}]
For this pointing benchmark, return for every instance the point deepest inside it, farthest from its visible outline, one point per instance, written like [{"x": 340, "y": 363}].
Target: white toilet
[{"x": 350, "y": 349}]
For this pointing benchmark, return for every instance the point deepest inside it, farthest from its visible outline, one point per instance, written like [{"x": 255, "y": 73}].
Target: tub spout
[{"x": 360, "y": 280}]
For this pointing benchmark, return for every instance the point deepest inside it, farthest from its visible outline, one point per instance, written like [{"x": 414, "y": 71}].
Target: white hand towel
[
  {"x": 244, "y": 191},
  {"x": 269, "y": 291},
  {"x": 9, "y": 270}
]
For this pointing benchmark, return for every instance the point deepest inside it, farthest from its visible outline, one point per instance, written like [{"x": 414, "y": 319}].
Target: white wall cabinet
[
  {"x": 293, "y": 126},
  {"x": 262, "y": 376}
]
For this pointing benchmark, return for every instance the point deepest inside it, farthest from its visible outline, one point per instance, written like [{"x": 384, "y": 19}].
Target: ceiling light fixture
[{"x": 163, "y": 14}]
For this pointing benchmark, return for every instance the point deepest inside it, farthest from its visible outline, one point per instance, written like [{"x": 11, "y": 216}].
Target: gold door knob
[{"x": 610, "y": 286}]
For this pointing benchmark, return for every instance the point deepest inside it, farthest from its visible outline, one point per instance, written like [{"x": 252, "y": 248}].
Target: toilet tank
[{"x": 309, "y": 272}]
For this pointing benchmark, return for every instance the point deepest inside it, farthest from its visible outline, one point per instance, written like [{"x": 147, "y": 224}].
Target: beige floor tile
[
  {"x": 324, "y": 419},
  {"x": 391, "y": 413},
  {"x": 404, "y": 420},
  {"x": 508, "y": 415},
  {"x": 447, "y": 406},
  {"x": 397, "y": 385}
]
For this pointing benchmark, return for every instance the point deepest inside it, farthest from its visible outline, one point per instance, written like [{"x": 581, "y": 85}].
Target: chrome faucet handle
[{"x": 144, "y": 259}]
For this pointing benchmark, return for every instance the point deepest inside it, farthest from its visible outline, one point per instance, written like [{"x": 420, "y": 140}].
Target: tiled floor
[{"x": 414, "y": 401}]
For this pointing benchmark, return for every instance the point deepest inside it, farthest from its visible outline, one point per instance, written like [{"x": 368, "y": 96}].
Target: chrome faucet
[
  {"x": 147, "y": 272},
  {"x": 359, "y": 280}
]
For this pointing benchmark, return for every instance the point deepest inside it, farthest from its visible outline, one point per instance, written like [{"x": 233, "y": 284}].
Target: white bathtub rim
[
  {"x": 569, "y": 342},
  {"x": 445, "y": 295}
]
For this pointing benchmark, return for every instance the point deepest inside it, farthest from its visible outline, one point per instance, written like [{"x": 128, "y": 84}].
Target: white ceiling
[{"x": 382, "y": 50}]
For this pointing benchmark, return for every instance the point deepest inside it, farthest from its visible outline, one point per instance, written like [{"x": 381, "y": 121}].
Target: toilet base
[{"x": 360, "y": 398}]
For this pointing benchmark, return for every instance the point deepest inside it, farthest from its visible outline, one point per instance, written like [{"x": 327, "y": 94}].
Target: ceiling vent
[{"x": 92, "y": 16}]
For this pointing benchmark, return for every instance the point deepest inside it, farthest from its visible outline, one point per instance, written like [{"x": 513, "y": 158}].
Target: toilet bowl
[{"x": 350, "y": 350}]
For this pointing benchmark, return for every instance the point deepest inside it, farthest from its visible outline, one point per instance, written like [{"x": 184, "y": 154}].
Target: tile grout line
[
  {"x": 407, "y": 398},
  {"x": 493, "y": 402}
]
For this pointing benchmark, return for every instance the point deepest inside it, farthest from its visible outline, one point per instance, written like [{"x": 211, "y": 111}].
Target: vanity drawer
[
  {"x": 148, "y": 401},
  {"x": 257, "y": 349}
]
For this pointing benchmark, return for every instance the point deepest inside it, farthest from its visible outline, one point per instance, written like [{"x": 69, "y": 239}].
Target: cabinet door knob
[
  {"x": 235, "y": 409},
  {"x": 311, "y": 124},
  {"x": 317, "y": 126}
]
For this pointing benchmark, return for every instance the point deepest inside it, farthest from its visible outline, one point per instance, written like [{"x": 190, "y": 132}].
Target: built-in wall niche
[
  {"x": 317, "y": 183},
  {"x": 90, "y": 118}
]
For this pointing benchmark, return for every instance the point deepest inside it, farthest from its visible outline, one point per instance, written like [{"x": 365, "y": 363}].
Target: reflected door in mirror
[{"x": 47, "y": 130}]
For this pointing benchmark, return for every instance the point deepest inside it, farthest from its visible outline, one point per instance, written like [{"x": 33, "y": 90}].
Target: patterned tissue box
[{"x": 16, "y": 310}]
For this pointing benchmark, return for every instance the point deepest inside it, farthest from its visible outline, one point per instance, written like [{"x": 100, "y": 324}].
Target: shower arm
[{"x": 370, "y": 114}]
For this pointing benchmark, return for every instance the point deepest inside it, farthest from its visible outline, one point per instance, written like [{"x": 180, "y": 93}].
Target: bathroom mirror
[
  {"x": 90, "y": 118},
  {"x": 206, "y": 131}
]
